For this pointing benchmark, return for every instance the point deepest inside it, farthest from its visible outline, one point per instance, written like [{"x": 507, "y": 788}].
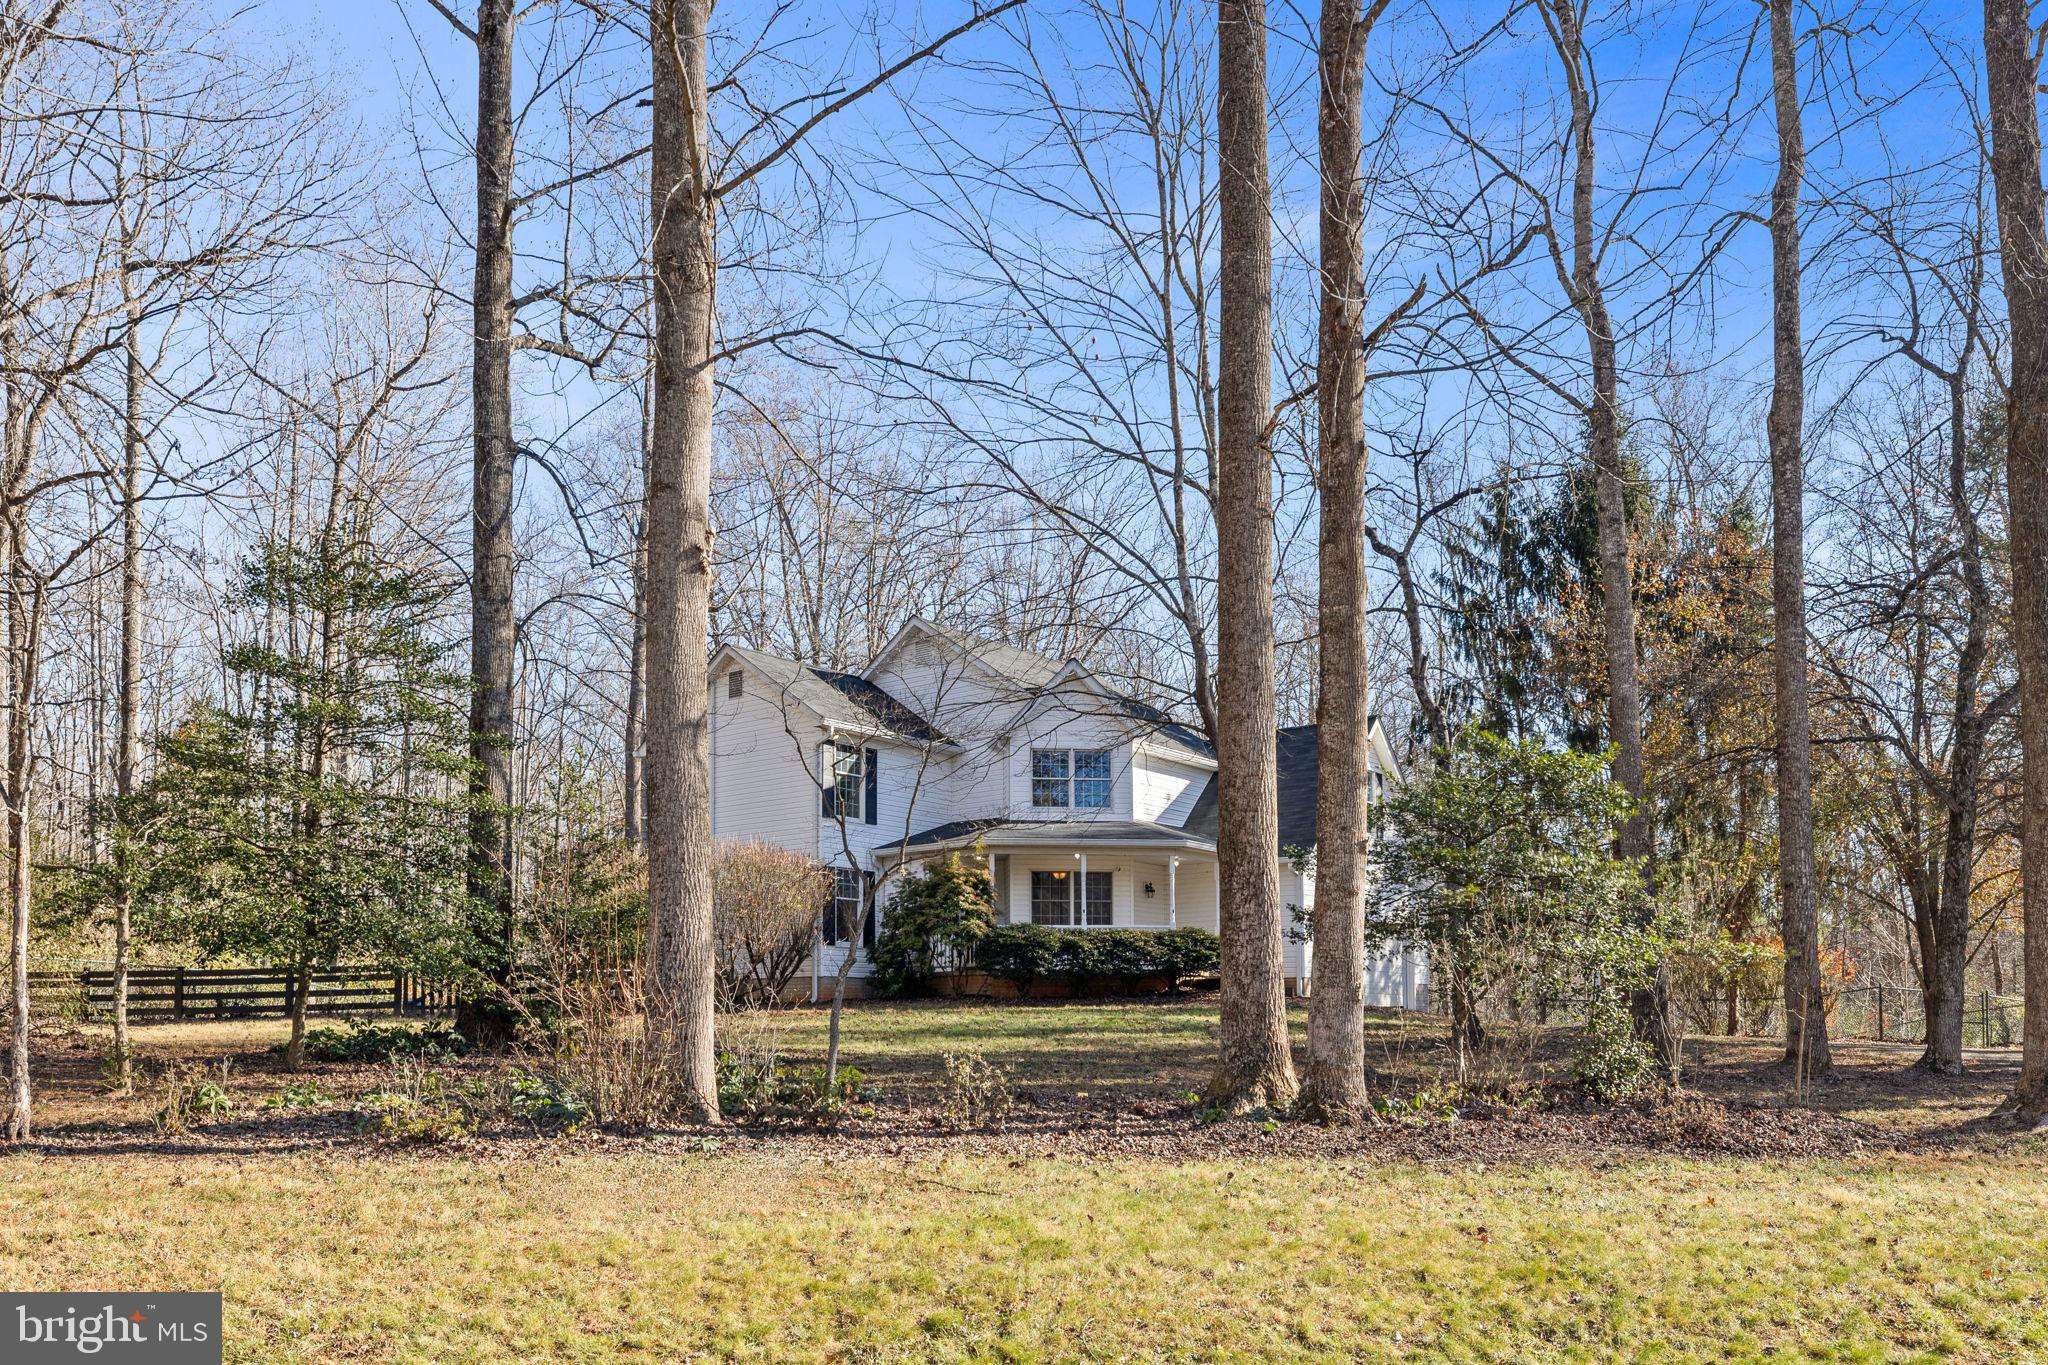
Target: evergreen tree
[{"x": 318, "y": 814}]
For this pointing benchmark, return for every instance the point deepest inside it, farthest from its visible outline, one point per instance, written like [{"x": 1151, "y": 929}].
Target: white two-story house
[{"x": 1091, "y": 809}]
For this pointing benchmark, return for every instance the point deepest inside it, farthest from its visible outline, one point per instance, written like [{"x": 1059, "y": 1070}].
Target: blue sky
[{"x": 370, "y": 49}]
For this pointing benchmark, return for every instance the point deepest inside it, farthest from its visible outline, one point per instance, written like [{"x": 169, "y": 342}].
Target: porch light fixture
[{"x": 1148, "y": 890}]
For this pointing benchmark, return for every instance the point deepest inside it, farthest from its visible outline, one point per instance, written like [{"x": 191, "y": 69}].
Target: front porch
[
  {"x": 1085, "y": 874},
  {"x": 1106, "y": 874}
]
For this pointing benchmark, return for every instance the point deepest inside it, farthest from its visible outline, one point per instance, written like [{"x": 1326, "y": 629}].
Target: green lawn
[{"x": 612, "y": 1248}]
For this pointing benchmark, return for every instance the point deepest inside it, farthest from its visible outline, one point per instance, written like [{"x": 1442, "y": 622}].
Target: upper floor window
[
  {"x": 849, "y": 783},
  {"x": 1077, "y": 779}
]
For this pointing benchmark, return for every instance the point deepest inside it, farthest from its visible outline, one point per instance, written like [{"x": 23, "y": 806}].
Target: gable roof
[
  {"x": 837, "y": 698},
  {"x": 1161, "y": 726},
  {"x": 1021, "y": 666},
  {"x": 1033, "y": 674},
  {"x": 1294, "y": 753}
]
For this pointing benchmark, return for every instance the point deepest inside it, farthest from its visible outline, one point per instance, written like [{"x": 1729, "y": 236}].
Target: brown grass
[{"x": 1107, "y": 1222}]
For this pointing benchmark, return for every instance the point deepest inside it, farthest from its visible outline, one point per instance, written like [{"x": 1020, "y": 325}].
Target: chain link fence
[{"x": 1895, "y": 1014}]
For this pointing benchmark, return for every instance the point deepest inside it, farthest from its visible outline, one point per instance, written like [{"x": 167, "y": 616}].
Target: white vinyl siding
[
  {"x": 761, "y": 787},
  {"x": 1165, "y": 791}
]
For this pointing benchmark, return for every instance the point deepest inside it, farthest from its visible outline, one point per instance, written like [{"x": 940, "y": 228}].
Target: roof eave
[
  {"x": 1192, "y": 844},
  {"x": 837, "y": 727},
  {"x": 1173, "y": 753}
]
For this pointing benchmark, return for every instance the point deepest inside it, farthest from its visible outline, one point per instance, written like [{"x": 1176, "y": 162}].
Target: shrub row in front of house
[{"x": 1026, "y": 953}]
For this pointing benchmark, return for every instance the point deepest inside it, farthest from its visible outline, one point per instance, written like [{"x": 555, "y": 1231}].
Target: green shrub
[
  {"x": 946, "y": 905},
  {"x": 802, "y": 1092},
  {"x": 1025, "y": 953},
  {"x": 1611, "y": 1062},
  {"x": 746, "y": 1082},
  {"x": 360, "y": 1042},
  {"x": 298, "y": 1095},
  {"x": 1022, "y": 953},
  {"x": 1187, "y": 952}
]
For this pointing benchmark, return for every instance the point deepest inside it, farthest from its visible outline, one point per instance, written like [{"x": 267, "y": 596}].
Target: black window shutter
[
  {"x": 871, "y": 765},
  {"x": 867, "y": 886}
]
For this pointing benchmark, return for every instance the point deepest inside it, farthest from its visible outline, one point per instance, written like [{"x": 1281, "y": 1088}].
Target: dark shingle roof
[
  {"x": 1161, "y": 726},
  {"x": 841, "y": 698},
  {"x": 1294, "y": 753},
  {"x": 891, "y": 713}
]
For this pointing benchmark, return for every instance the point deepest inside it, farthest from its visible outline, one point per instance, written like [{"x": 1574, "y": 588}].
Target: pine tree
[{"x": 317, "y": 815}]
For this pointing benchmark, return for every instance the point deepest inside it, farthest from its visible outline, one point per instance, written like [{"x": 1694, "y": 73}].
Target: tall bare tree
[
  {"x": 2012, "y": 74},
  {"x": 1806, "y": 1024},
  {"x": 689, "y": 187},
  {"x": 1333, "y": 1079},
  {"x": 492, "y": 646},
  {"x": 589, "y": 320},
  {"x": 1255, "y": 1068},
  {"x": 1914, "y": 657},
  {"x": 1588, "y": 298},
  {"x": 679, "y": 867}
]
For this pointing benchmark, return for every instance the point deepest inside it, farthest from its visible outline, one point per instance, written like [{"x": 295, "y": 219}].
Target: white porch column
[
  {"x": 1173, "y": 893},
  {"x": 1081, "y": 893}
]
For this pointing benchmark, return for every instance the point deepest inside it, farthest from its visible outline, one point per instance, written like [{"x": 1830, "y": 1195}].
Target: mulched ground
[{"x": 1734, "y": 1106}]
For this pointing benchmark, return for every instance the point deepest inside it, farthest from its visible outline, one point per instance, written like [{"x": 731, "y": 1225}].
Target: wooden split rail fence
[{"x": 165, "y": 994}]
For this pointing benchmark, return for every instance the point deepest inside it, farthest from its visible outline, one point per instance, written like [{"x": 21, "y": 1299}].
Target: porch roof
[{"x": 1054, "y": 834}]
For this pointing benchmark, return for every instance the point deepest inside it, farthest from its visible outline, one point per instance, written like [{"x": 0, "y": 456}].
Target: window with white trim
[
  {"x": 1070, "y": 779},
  {"x": 849, "y": 891},
  {"x": 846, "y": 781},
  {"x": 1052, "y": 899}
]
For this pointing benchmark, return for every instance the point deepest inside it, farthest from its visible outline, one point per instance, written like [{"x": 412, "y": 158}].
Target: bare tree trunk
[
  {"x": 1946, "y": 950},
  {"x": 636, "y": 698},
  {"x": 1333, "y": 1078},
  {"x": 678, "y": 483},
  {"x": 491, "y": 642},
  {"x": 295, "y": 1047},
  {"x": 1806, "y": 1024},
  {"x": 1256, "y": 1067},
  {"x": 21, "y": 1101},
  {"x": 2010, "y": 79},
  {"x": 20, "y": 653},
  {"x": 127, "y": 740},
  {"x": 1468, "y": 1031},
  {"x": 1649, "y": 1005}
]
